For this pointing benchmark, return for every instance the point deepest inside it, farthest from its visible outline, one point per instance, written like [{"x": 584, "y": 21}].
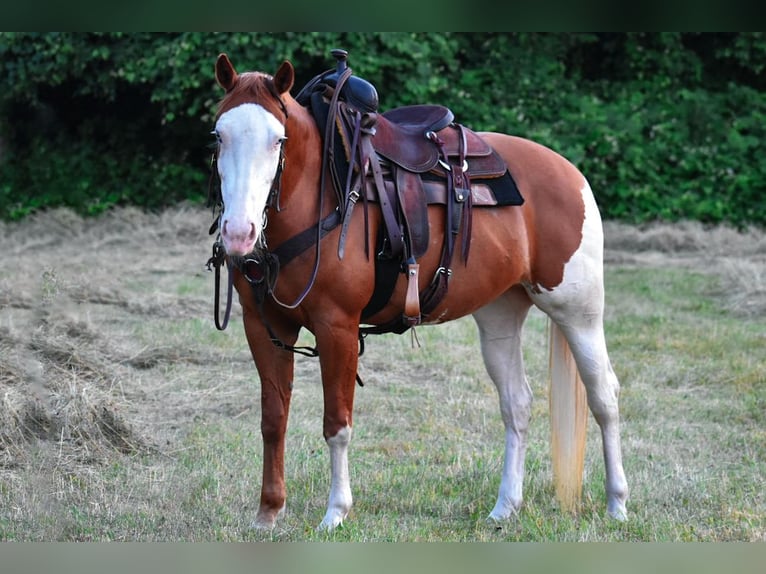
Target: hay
[
  {"x": 736, "y": 258},
  {"x": 55, "y": 384},
  {"x": 70, "y": 413}
]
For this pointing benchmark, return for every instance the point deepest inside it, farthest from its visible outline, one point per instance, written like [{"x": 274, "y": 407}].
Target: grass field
[{"x": 126, "y": 416}]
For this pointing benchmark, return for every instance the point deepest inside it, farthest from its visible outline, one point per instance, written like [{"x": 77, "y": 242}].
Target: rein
[
  {"x": 325, "y": 161},
  {"x": 216, "y": 260}
]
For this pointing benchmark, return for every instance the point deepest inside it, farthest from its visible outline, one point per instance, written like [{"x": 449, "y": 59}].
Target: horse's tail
[{"x": 569, "y": 416}]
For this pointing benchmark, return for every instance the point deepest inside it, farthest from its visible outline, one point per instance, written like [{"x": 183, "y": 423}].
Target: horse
[{"x": 275, "y": 192}]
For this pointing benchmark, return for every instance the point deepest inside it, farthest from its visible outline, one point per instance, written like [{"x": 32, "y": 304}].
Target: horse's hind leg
[
  {"x": 577, "y": 307},
  {"x": 500, "y": 325},
  {"x": 588, "y": 346},
  {"x": 589, "y": 349}
]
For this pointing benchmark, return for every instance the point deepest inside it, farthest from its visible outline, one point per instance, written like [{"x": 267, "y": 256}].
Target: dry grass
[
  {"x": 70, "y": 289},
  {"x": 125, "y": 415},
  {"x": 736, "y": 258}
]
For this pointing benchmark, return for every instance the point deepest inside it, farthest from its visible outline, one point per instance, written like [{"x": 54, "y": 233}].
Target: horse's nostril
[{"x": 244, "y": 233}]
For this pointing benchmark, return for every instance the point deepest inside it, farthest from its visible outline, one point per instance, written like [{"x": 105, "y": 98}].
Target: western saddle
[{"x": 403, "y": 160}]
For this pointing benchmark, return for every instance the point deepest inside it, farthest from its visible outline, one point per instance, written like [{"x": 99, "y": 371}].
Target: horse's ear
[
  {"x": 225, "y": 74},
  {"x": 284, "y": 78}
]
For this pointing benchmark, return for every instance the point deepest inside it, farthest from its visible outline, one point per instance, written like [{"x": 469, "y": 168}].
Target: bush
[{"x": 666, "y": 126}]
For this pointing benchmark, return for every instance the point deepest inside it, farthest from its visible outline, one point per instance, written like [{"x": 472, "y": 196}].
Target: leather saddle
[
  {"x": 405, "y": 136},
  {"x": 401, "y": 135},
  {"x": 403, "y": 160},
  {"x": 425, "y": 148}
]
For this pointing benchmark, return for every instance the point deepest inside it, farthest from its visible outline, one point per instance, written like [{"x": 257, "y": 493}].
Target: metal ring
[{"x": 246, "y": 271}]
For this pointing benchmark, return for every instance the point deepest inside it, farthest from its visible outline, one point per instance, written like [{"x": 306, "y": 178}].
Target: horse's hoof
[
  {"x": 504, "y": 510},
  {"x": 262, "y": 525},
  {"x": 331, "y": 521},
  {"x": 496, "y": 518},
  {"x": 266, "y": 519},
  {"x": 618, "y": 513}
]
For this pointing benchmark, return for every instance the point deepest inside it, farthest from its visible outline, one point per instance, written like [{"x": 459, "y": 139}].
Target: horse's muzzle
[{"x": 238, "y": 239}]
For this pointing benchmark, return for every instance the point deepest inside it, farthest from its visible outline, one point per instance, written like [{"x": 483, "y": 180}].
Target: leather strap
[
  {"x": 412, "y": 315},
  {"x": 221, "y": 325},
  {"x": 350, "y": 192},
  {"x": 216, "y": 261},
  {"x": 297, "y": 244},
  {"x": 395, "y": 238}
]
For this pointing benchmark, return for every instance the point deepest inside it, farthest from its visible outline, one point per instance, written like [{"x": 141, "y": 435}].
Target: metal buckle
[
  {"x": 443, "y": 271},
  {"x": 446, "y": 166}
]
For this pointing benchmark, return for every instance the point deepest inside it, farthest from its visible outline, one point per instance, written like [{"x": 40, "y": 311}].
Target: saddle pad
[
  {"x": 486, "y": 192},
  {"x": 504, "y": 188}
]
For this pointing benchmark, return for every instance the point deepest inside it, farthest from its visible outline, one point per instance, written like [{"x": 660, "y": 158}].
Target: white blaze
[{"x": 249, "y": 143}]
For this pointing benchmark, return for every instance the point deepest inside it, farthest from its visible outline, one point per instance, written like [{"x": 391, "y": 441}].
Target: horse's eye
[{"x": 216, "y": 135}]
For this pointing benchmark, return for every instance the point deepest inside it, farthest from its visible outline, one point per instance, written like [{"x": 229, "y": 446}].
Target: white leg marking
[
  {"x": 500, "y": 333},
  {"x": 340, "y": 499}
]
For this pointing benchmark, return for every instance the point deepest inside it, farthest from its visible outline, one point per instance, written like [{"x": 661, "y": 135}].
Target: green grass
[
  {"x": 426, "y": 454},
  {"x": 427, "y": 448},
  {"x": 692, "y": 401}
]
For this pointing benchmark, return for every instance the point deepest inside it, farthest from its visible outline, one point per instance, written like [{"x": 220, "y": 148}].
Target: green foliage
[{"x": 665, "y": 125}]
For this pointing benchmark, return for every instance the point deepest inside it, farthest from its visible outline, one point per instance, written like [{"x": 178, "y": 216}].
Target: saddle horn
[
  {"x": 355, "y": 91},
  {"x": 341, "y": 56}
]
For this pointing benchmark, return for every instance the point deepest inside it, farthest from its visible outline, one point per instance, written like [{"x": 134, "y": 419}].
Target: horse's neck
[{"x": 301, "y": 176}]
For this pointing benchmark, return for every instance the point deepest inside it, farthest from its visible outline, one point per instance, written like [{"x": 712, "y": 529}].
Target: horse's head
[{"x": 250, "y": 129}]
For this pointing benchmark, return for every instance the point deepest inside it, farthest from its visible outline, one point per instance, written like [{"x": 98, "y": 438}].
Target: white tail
[{"x": 569, "y": 418}]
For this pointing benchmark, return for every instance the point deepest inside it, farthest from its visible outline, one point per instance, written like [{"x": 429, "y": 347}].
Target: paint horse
[{"x": 299, "y": 256}]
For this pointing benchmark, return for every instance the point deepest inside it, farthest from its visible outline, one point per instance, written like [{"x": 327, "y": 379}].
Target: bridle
[
  {"x": 261, "y": 267},
  {"x": 218, "y": 257}
]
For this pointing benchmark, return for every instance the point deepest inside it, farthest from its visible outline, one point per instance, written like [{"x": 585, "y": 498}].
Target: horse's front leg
[
  {"x": 275, "y": 368},
  {"x": 338, "y": 356}
]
